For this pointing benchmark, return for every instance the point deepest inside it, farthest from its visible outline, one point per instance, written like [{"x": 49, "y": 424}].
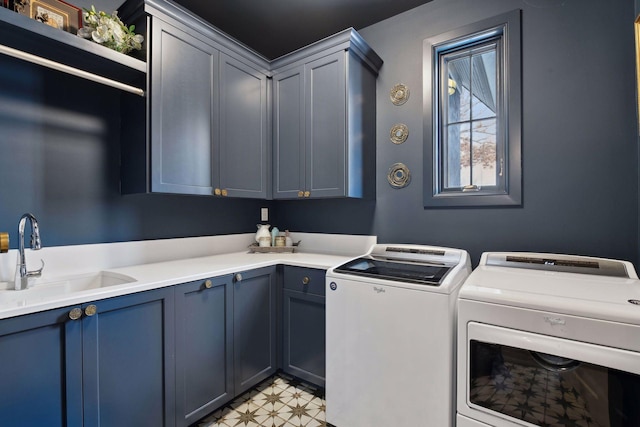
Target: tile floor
[{"x": 280, "y": 401}]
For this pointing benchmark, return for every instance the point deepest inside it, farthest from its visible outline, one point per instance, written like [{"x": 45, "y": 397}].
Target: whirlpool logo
[
  {"x": 379, "y": 290},
  {"x": 634, "y": 301}
]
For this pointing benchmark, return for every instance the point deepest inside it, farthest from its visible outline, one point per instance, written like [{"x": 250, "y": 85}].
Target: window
[{"x": 472, "y": 106}]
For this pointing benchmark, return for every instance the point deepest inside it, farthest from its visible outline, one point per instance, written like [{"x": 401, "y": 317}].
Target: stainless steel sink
[{"x": 60, "y": 287}]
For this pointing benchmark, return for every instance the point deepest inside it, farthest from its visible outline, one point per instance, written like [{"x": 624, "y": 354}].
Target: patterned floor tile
[{"x": 281, "y": 401}]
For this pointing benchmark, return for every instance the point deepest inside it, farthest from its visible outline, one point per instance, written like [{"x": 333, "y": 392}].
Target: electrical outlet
[{"x": 264, "y": 214}]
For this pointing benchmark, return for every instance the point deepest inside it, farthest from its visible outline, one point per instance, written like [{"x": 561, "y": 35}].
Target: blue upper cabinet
[
  {"x": 244, "y": 140},
  {"x": 183, "y": 111},
  {"x": 223, "y": 121},
  {"x": 206, "y": 113},
  {"x": 324, "y": 111},
  {"x": 289, "y": 133}
]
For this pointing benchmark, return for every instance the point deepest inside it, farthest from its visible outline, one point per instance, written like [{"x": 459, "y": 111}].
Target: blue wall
[
  {"x": 59, "y": 148},
  {"x": 580, "y": 173}
]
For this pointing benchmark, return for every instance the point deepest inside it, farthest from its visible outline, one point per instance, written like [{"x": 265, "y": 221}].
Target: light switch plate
[{"x": 264, "y": 214}]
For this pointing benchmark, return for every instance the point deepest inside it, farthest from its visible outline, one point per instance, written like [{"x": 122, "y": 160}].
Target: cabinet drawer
[{"x": 302, "y": 279}]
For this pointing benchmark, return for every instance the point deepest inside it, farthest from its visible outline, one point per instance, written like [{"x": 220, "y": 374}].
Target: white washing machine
[
  {"x": 549, "y": 340},
  {"x": 390, "y": 332}
]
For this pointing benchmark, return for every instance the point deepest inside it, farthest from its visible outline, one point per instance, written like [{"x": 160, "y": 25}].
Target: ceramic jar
[{"x": 263, "y": 231}]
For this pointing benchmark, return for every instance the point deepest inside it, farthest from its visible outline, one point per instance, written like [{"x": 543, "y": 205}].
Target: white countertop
[
  {"x": 157, "y": 275},
  {"x": 167, "y": 273}
]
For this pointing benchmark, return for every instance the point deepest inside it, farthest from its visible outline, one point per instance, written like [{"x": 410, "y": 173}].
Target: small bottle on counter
[{"x": 287, "y": 239}]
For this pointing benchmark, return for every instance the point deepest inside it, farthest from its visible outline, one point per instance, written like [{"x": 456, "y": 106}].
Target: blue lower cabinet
[
  {"x": 304, "y": 336},
  {"x": 303, "y": 324},
  {"x": 128, "y": 360},
  {"x": 254, "y": 327},
  {"x": 41, "y": 380},
  {"x": 163, "y": 357},
  {"x": 204, "y": 347},
  {"x": 104, "y": 364}
]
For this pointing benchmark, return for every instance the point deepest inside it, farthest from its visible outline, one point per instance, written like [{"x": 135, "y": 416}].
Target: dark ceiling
[{"x": 276, "y": 27}]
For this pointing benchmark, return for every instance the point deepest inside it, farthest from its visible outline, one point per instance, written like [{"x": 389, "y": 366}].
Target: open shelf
[{"x": 28, "y": 35}]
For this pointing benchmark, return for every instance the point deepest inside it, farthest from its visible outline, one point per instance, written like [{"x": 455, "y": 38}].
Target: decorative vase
[{"x": 263, "y": 231}]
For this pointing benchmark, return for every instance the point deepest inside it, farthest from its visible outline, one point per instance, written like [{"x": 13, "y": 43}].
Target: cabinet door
[
  {"x": 204, "y": 347},
  {"x": 128, "y": 360},
  {"x": 41, "y": 381},
  {"x": 288, "y": 134},
  {"x": 254, "y": 327},
  {"x": 326, "y": 116},
  {"x": 183, "y": 111},
  {"x": 243, "y": 148},
  {"x": 304, "y": 336},
  {"x": 303, "y": 318}
]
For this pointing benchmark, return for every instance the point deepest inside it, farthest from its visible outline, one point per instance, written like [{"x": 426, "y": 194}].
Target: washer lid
[{"x": 401, "y": 271}]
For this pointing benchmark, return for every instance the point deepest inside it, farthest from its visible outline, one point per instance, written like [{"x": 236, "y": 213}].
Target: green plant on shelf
[{"x": 109, "y": 30}]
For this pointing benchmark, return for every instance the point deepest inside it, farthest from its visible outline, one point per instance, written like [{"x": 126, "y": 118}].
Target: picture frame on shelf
[{"x": 55, "y": 13}]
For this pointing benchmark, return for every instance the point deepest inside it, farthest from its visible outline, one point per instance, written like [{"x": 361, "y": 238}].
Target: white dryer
[
  {"x": 549, "y": 340},
  {"x": 391, "y": 337}
]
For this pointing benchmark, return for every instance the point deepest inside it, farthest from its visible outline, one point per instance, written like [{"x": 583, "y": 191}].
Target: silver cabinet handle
[
  {"x": 238, "y": 277},
  {"x": 306, "y": 280},
  {"x": 208, "y": 284}
]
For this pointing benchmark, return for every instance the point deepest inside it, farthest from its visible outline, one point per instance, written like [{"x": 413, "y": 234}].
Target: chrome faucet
[{"x": 22, "y": 275}]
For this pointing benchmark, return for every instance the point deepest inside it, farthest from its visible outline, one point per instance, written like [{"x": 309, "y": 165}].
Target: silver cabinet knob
[
  {"x": 208, "y": 284},
  {"x": 306, "y": 280},
  {"x": 91, "y": 310},
  {"x": 238, "y": 277},
  {"x": 75, "y": 313}
]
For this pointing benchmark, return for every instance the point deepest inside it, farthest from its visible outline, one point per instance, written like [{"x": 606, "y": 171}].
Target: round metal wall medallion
[
  {"x": 399, "y": 94},
  {"x": 399, "y": 133},
  {"x": 399, "y": 175}
]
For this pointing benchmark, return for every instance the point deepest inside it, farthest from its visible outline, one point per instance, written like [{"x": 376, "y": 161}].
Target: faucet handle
[{"x": 36, "y": 273}]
